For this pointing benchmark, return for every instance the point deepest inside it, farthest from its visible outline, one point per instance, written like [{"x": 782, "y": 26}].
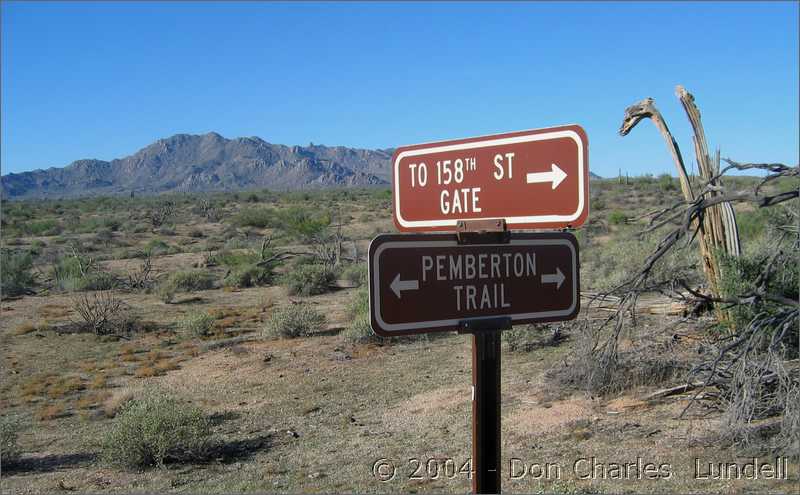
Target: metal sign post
[
  {"x": 486, "y": 410},
  {"x": 486, "y": 359}
]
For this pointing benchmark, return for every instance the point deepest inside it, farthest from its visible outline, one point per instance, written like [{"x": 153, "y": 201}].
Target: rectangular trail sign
[
  {"x": 430, "y": 283},
  {"x": 537, "y": 179}
]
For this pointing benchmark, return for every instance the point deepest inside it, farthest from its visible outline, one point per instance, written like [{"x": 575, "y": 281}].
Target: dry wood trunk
[{"x": 718, "y": 232}]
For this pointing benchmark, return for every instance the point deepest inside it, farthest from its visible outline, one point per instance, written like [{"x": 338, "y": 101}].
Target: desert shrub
[
  {"x": 617, "y": 217},
  {"x": 789, "y": 436},
  {"x": 99, "y": 281},
  {"x": 303, "y": 223},
  {"x": 740, "y": 275},
  {"x": 248, "y": 276},
  {"x": 155, "y": 429},
  {"x": 293, "y": 321},
  {"x": 197, "y": 324},
  {"x": 96, "y": 224},
  {"x": 46, "y": 227},
  {"x": 157, "y": 247},
  {"x": 185, "y": 281},
  {"x": 308, "y": 280},
  {"x": 78, "y": 272},
  {"x": 16, "y": 269},
  {"x": 9, "y": 431},
  {"x": 356, "y": 274},
  {"x": 256, "y": 217},
  {"x": 359, "y": 304},
  {"x": 243, "y": 268},
  {"x": 103, "y": 313},
  {"x": 667, "y": 183},
  {"x": 360, "y": 331},
  {"x": 610, "y": 264},
  {"x": 162, "y": 213},
  {"x": 36, "y": 247}
]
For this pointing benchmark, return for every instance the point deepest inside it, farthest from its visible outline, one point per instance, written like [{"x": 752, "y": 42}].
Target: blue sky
[{"x": 103, "y": 80}]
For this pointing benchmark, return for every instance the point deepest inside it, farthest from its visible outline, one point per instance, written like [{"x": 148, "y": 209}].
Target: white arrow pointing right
[
  {"x": 554, "y": 278},
  {"x": 555, "y": 176}
]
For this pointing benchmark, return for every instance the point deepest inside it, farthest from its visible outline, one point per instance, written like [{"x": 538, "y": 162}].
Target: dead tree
[{"x": 717, "y": 228}]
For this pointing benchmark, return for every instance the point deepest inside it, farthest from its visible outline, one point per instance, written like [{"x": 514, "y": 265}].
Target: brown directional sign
[
  {"x": 536, "y": 179},
  {"x": 431, "y": 283}
]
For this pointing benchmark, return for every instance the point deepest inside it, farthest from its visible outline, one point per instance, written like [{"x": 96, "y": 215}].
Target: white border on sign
[
  {"x": 389, "y": 327},
  {"x": 483, "y": 144}
]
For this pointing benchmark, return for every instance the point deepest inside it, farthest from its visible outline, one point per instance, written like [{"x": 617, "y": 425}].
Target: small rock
[{"x": 292, "y": 433}]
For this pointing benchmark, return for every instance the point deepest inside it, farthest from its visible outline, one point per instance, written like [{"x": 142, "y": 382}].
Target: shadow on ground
[{"x": 49, "y": 463}]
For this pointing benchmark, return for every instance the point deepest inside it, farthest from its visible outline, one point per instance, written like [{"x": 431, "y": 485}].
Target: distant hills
[{"x": 208, "y": 162}]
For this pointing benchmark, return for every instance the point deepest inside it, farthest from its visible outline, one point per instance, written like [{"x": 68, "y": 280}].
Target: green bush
[
  {"x": 308, "y": 280},
  {"x": 99, "y": 281},
  {"x": 197, "y": 324},
  {"x": 248, "y": 276},
  {"x": 293, "y": 321},
  {"x": 69, "y": 277},
  {"x": 607, "y": 265},
  {"x": 667, "y": 183},
  {"x": 360, "y": 331},
  {"x": 356, "y": 274},
  {"x": 95, "y": 224},
  {"x": 303, "y": 223},
  {"x": 157, "y": 247},
  {"x": 256, "y": 217},
  {"x": 617, "y": 218},
  {"x": 243, "y": 268},
  {"x": 42, "y": 227},
  {"x": 738, "y": 277},
  {"x": 9, "y": 450},
  {"x": 16, "y": 269},
  {"x": 359, "y": 304},
  {"x": 155, "y": 429},
  {"x": 185, "y": 281}
]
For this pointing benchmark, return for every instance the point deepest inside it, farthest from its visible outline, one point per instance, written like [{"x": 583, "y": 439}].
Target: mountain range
[{"x": 207, "y": 162}]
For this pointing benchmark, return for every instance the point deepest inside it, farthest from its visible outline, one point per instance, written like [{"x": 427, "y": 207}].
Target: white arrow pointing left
[
  {"x": 555, "y": 176},
  {"x": 398, "y": 285}
]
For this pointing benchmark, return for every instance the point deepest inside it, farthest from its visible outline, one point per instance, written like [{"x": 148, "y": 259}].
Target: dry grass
[
  {"x": 228, "y": 322},
  {"x": 92, "y": 400},
  {"x": 25, "y": 328},
  {"x": 64, "y": 386},
  {"x": 87, "y": 366},
  {"x": 98, "y": 382},
  {"x": 116, "y": 401},
  {"x": 164, "y": 365},
  {"x": 54, "y": 311},
  {"x": 51, "y": 411},
  {"x": 146, "y": 371},
  {"x": 37, "y": 385}
]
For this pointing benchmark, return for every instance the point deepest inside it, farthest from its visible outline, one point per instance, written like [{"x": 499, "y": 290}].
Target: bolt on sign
[
  {"x": 537, "y": 179},
  {"x": 431, "y": 283}
]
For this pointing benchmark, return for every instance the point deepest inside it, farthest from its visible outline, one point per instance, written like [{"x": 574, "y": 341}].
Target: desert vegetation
[{"x": 222, "y": 341}]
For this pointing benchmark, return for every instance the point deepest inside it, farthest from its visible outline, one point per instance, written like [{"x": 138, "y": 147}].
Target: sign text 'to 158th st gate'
[{"x": 536, "y": 179}]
